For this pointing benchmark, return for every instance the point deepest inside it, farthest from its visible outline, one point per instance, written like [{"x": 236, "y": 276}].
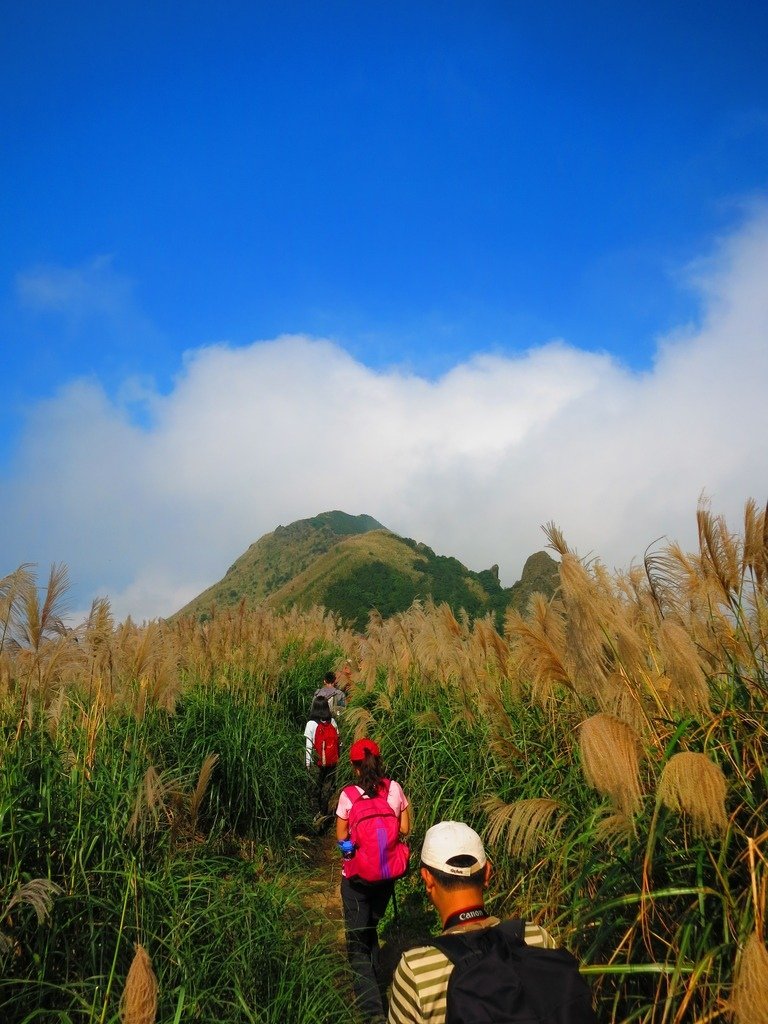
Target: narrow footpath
[
  {"x": 323, "y": 896},
  {"x": 411, "y": 926}
]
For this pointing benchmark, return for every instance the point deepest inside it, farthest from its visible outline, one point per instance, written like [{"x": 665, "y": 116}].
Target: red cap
[{"x": 360, "y": 748}]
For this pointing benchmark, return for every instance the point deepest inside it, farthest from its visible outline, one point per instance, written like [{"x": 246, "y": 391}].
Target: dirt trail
[
  {"x": 323, "y": 896},
  {"x": 412, "y": 926}
]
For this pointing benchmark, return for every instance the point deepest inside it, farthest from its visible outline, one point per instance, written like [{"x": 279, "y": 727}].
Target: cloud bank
[{"x": 149, "y": 497}]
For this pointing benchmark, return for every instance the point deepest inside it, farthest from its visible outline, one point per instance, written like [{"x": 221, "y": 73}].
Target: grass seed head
[
  {"x": 201, "y": 788},
  {"x": 610, "y": 754},
  {"x": 361, "y": 722},
  {"x": 538, "y": 643},
  {"x": 692, "y": 784},
  {"x": 618, "y": 700},
  {"x": 139, "y": 1005},
  {"x": 528, "y": 824},
  {"x": 584, "y": 628},
  {"x": 39, "y": 894},
  {"x": 755, "y": 551},
  {"x": 615, "y": 829},
  {"x": 749, "y": 996},
  {"x": 720, "y": 552},
  {"x": 689, "y": 690}
]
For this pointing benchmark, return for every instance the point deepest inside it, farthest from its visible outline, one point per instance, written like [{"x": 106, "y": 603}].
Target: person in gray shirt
[{"x": 336, "y": 698}]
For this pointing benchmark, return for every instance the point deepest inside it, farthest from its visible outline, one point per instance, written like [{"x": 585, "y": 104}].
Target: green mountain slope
[
  {"x": 352, "y": 564},
  {"x": 380, "y": 570},
  {"x": 278, "y": 557}
]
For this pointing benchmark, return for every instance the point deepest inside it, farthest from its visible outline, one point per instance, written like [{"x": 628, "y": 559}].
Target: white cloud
[
  {"x": 471, "y": 463},
  {"x": 95, "y": 303},
  {"x": 91, "y": 289}
]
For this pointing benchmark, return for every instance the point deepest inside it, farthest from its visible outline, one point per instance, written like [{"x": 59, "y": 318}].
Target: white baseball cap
[{"x": 449, "y": 840}]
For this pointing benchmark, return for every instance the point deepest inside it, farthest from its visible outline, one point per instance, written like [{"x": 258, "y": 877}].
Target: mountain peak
[{"x": 352, "y": 564}]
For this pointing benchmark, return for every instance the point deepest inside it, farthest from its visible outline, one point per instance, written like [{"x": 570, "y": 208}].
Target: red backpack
[
  {"x": 374, "y": 828},
  {"x": 326, "y": 744}
]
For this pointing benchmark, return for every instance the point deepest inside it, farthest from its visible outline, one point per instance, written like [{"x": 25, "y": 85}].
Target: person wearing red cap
[{"x": 364, "y": 902}]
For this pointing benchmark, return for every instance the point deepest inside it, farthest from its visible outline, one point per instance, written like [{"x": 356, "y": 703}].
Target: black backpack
[{"x": 498, "y": 979}]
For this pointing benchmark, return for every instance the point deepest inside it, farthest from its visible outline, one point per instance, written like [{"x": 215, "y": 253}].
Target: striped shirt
[{"x": 418, "y": 994}]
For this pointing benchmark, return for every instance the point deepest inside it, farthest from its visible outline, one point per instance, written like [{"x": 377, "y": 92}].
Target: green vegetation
[
  {"x": 382, "y": 586},
  {"x": 144, "y": 802},
  {"x": 353, "y": 566},
  {"x": 277, "y": 558},
  {"x": 373, "y": 585},
  {"x": 136, "y": 845},
  {"x": 609, "y": 743}
]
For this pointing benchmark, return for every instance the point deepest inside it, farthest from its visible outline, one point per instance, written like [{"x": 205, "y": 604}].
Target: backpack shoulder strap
[
  {"x": 353, "y": 792},
  {"x": 462, "y": 947},
  {"x": 514, "y": 930},
  {"x": 459, "y": 948}
]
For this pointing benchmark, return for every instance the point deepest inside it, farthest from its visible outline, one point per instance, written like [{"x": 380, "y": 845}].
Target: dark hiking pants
[
  {"x": 364, "y": 904},
  {"x": 326, "y": 789},
  {"x": 322, "y": 788}
]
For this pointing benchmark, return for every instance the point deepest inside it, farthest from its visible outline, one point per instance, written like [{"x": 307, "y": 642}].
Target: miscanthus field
[{"x": 609, "y": 744}]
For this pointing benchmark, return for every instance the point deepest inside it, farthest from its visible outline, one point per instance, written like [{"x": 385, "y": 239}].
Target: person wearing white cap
[{"x": 455, "y": 870}]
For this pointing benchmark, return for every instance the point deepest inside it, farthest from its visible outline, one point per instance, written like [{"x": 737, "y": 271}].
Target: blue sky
[{"x": 418, "y": 184}]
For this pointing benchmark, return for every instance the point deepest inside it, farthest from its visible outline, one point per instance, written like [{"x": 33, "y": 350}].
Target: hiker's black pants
[
  {"x": 322, "y": 788},
  {"x": 364, "y": 904},
  {"x": 326, "y": 785}
]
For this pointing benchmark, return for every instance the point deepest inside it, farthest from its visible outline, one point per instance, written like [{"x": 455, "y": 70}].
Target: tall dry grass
[
  {"x": 609, "y": 742},
  {"x": 143, "y": 781},
  {"x": 653, "y": 683}
]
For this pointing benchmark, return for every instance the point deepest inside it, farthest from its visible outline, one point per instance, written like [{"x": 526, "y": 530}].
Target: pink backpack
[{"x": 374, "y": 828}]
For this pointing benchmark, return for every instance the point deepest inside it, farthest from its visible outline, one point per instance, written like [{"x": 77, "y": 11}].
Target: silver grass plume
[
  {"x": 749, "y": 996},
  {"x": 692, "y": 784},
  {"x": 689, "y": 690},
  {"x": 37, "y": 893},
  {"x": 610, "y": 755},
  {"x": 201, "y": 788},
  {"x": 528, "y": 824},
  {"x": 139, "y": 1002},
  {"x": 615, "y": 829}
]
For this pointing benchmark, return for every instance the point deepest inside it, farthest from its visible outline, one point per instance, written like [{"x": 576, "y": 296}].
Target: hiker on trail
[
  {"x": 373, "y": 819},
  {"x": 336, "y": 698},
  {"x": 322, "y": 753},
  {"x": 479, "y": 968}
]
